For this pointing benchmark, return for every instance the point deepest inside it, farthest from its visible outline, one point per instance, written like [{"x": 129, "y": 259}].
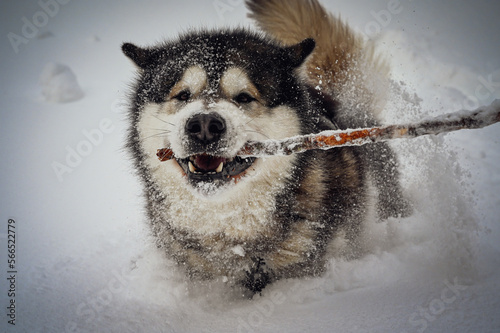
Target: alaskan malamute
[{"x": 255, "y": 220}]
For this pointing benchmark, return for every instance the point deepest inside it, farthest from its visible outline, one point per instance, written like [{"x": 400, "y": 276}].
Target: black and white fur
[{"x": 257, "y": 220}]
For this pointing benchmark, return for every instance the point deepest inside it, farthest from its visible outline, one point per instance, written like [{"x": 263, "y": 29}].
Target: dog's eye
[
  {"x": 183, "y": 96},
  {"x": 244, "y": 98}
]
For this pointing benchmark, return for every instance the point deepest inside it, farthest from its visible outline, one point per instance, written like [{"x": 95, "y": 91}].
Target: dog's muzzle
[{"x": 206, "y": 137}]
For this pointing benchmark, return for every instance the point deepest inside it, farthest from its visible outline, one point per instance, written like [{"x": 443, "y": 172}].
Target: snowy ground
[{"x": 84, "y": 259}]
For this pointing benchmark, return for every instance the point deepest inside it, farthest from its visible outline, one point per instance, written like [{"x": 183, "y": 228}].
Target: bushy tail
[
  {"x": 342, "y": 64},
  {"x": 346, "y": 68}
]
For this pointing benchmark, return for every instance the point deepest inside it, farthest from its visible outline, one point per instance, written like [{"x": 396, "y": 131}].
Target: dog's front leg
[
  {"x": 299, "y": 254},
  {"x": 258, "y": 276}
]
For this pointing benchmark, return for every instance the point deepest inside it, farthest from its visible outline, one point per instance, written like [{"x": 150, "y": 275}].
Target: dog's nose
[{"x": 206, "y": 128}]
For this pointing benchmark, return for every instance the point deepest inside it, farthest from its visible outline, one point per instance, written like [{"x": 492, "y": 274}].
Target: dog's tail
[{"x": 342, "y": 65}]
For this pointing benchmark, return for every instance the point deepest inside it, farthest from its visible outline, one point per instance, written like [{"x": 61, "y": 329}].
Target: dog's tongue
[{"x": 207, "y": 162}]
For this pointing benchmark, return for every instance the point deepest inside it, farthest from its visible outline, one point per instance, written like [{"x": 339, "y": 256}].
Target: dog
[{"x": 252, "y": 221}]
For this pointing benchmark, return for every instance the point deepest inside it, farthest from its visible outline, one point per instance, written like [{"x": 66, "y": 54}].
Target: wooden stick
[{"x": 479, "y": 118}]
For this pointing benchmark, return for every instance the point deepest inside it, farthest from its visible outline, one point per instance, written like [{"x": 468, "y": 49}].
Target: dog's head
[{"x": 207, "y": 94}]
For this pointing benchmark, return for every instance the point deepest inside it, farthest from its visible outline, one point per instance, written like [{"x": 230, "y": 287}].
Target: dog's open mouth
[{"x": 208, "y": 168}]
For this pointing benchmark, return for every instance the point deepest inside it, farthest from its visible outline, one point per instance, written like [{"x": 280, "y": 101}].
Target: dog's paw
[{"x": 258, "y": 277}]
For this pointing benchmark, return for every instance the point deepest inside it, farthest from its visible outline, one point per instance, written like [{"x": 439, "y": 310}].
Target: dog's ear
[
  {"x": 298, "y": 53},
  {"x": 143, "y": 58}
]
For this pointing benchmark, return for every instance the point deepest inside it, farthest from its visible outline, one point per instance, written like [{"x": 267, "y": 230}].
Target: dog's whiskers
[
  {"x": 164, "y": 121},
  {"x": 163, "y": 133},
  {"x": 251, "y": 119},
  {"x": 258, "y": 132},
  {"x": 155, "y": 136}
]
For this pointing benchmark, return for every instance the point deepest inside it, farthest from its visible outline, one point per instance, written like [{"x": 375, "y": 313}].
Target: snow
[
  {"x": 86, "y": 261},
  {"x": 59, "y": 84}
]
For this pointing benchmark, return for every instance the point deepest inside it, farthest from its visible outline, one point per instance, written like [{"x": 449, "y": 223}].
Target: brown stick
[{"x": 479, "y": 118}]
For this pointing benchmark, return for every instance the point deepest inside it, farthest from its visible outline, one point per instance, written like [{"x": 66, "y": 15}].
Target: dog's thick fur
[{"x": 254, "y": 221}]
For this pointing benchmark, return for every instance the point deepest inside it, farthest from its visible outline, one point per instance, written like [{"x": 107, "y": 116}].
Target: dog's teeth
[
  {"x": 220, "y": 167},
  {"x": 192, "y": 169}
]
